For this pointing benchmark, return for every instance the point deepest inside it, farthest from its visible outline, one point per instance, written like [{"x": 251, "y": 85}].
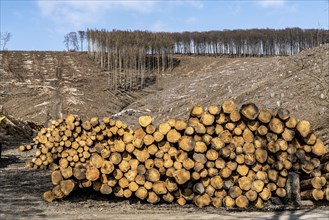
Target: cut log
[
  {"x": 216, "y": 182},
  {"x": 235, "y": 116},
  {"x": 207, "y": 119},
  {"x": 242, "y": 201},
  {"x": 164, "y": 128},
  {"x": 249, "y": 111},
  {"x": 283, "y": 113},
  {"x": 197, "y": 111},
  {"x": 226, "y": 172},
  {"x": 181, "y": 176},
  {"x": 173, "y": 136},
  {"x": 264, "y": 116},
  {"x": 259, "y": 203},
  {"x": 49, "y": 196},
  {"x": 153, "y": 197},
  {"x": 214, "y": 109},
  {"x": 276, "y": 126},
  {"x": 198, "y": 188},
  {"x": 251, "y": 195},
  {"x": 229, "y": 202},
  {"x": 56, "y": 177},
  {"x": 159, "y": 187},
  {"x": 261, "y": 155},
  {"x": 319, "y": 149},
  {"x": 281, "y": 192},
  {"x": 216, "y": 202},
  {"x": 145, "y": 120},
  {"x": 243, "y": 170},
  {"x": 67, "y": 172},
  {"x": 245, "y": 183},
  {"x": 288, "y": 134},
  {"x": 141, "y": 193},
  {"x": 202, "y": 200},
  {"x": 304, "y": 128},
  {"x": 313, "y": 183},
  {"x": 186, "y": 143},
  {"x": 234, "y": 192},
  {"x": 314, "y": 194},
  {"x": 306, "y": 166},
  {"x": 258, "y": 186},
  {"x": 92, "y": 173},
  {"x": 67, "y": 186},
  {"x": 228, "y": 106},
  {"x": 265, "y": 194},
  {"x": 248, "y": 136}
]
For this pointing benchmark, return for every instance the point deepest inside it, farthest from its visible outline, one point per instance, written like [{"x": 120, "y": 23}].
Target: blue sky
[{"x": 41, "y": 25}]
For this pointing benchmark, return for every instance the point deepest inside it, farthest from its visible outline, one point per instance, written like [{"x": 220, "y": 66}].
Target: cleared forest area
[
  {"x": 130, "y": 56},
  {"x": 39, "y": 86}
]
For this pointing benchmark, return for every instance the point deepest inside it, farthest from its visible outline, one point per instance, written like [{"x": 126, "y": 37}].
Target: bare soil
[{"x": 39, "y": 86}]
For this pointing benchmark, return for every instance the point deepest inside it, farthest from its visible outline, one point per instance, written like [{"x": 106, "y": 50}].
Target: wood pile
[{"x": 221, "y": 156}]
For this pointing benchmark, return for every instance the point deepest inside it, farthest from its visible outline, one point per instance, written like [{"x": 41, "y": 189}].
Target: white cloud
[
  {"x": 79, "y": 13},
  {"x": 271, "y": 3}
]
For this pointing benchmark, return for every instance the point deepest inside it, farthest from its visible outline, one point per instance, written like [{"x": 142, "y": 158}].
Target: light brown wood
[
  {"x": 228, "y": 202},
  {"x": 144, "y": 120},
  {"x": 249, "y": 111},
  {"x": 56, "y": 177},
  {"x": 276, "y": 126},
  {"x": 141, "y": 193},
  {"x": 265, "y": 116},
  {"x": 48, "y": 196},
  {"x": 319, "y": 149},
  {"x": 67, "y": 186},
  {"x": 173, "y": 136},
  {"x": 245, "y": 183},
  {"x": 313, "y": 183},
  {"x": 251, "y": 195},
  {"x": 304, "y": 128},
  {"x": 197, "y": 110},
  {"x": 202, "y": 200},
  {"x": 314, "y": 194},
  {"x": 265, "y": 194},
  {"x": 234, "y": 192},
  {"x": 242, "y": 201},
  {"x": 92, "y": 173},
  {"x": 181, "y": 176}
]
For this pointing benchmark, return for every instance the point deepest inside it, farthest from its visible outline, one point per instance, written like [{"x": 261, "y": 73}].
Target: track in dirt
[{"x": 57, "y": 96}]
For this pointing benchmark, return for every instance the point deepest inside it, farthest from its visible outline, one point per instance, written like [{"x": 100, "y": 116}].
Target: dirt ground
[{"x": 34, "y": 89}]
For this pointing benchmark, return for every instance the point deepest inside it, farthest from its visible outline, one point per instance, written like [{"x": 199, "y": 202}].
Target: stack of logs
[{"x": 221, "y": 156}]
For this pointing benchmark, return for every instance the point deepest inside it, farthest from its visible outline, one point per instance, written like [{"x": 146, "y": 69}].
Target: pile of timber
[{"x": 220, "y": 156}]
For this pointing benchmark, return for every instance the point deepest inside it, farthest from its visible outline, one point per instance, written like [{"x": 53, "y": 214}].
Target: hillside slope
[
  {"x": 298, "y": 83},
  {"x": 38, "y": 86}
]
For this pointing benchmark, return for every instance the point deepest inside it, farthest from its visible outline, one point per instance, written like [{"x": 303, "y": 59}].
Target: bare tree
[
  {"x": 132, "y": 56},
  {"x": 74, "y": 40},
  {"x": 82, "y": 35},
  {"x": 5, "y": 38},
  {"x": 71, "y": 39},
  {"x": 67, "y": 42}
]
